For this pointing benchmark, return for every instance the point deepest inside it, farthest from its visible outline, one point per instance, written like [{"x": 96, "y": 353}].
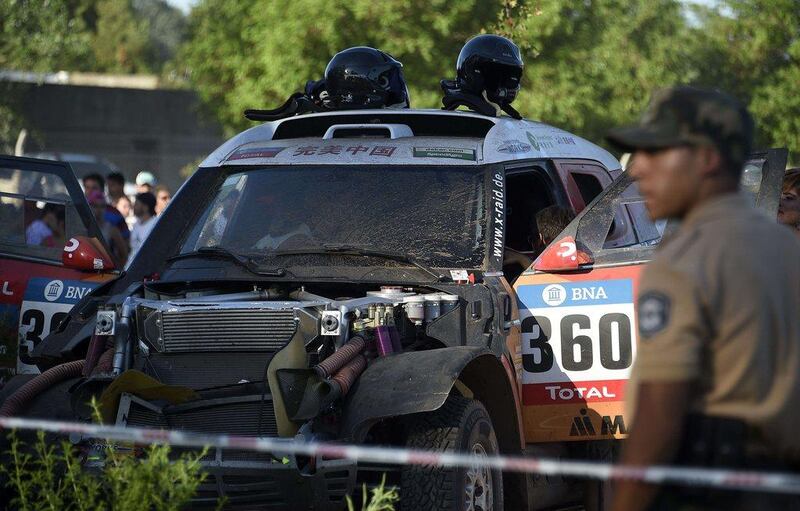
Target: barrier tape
[{"x": 723, "y": 479}]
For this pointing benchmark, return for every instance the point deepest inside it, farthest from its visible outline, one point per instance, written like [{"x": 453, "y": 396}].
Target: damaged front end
[{"x": 275, "y": 362}]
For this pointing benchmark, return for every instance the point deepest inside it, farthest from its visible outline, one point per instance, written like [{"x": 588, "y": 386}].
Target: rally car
[
  {"x": 578, "y": 310},
  {"x": 42, "y": 210},
  {"x": 339, "y": 276}
]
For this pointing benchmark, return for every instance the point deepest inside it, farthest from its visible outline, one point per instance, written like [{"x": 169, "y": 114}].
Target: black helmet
[
  {"x": 490, "y": 63},
  {"x": 363, "y": 77}
]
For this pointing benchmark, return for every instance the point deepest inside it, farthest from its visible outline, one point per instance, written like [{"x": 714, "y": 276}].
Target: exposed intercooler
[{"x": 224, "y": 329}]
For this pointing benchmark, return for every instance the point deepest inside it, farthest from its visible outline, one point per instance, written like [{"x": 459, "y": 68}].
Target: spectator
[
  {"x": 163, "y": 196},
  {"x": 48, "y": 230},
  {"x": 145, "y": 210},
  {"x": 116, "y": 187},
  {"x": 789, "y": 208},
  {"x": 119, "y": 247},
  {"x": 95, "y": 182},
  {"x": 145, "y": 181},
  {"x": 125, "y": 207}
]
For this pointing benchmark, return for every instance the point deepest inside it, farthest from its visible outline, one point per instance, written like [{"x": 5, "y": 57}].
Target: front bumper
[{"x": 259, "y": 483}]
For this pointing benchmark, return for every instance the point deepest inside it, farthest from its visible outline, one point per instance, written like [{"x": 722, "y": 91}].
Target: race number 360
[{"x": 579, "y": 340}]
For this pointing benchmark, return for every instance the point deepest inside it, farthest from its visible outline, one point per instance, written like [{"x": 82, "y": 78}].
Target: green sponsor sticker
[{"x": 456, "y": 153}]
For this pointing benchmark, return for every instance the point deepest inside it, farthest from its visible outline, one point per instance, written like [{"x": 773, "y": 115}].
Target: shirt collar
[{"x": 717, "y": 207}]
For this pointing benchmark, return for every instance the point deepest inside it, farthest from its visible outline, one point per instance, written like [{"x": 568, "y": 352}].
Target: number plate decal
[
  {"x": 45, "y": 304},
  {"x": 578, "y": 345}
]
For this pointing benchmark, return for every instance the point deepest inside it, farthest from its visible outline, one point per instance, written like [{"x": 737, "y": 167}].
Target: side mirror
[
  {"x": 86, "y": 254},
  {"x": 562, "y": 256}
]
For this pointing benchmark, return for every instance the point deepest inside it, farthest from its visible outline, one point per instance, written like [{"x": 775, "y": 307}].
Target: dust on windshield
[{"x": 436, "y": 215}]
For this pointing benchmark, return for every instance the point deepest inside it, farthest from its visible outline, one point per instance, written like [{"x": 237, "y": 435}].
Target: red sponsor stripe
[{"x": 560, "y": 393}]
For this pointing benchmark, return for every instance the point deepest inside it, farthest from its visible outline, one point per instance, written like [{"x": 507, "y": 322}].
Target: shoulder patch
[{"x": 653, "y": 313}]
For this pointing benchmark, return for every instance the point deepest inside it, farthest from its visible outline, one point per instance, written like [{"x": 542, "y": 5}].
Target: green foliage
[
  {"x": 50, "y": 478},
  {"x": 121, "y": 43},
  {"x": 250, "y": 54},
  {"x": 41, "y": 35},
  {"x": 592, "y": 65},
  {"x": 54, "y": 479},
  {"x": 589, "y": 65},
  {"x": 752, "y": 49},
  {"x": 114, "y": 36},
  {"x": 383, "y": 499}
]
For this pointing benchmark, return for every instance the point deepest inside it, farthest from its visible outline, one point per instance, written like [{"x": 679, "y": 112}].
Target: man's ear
[{"x": 710, "y": 160}]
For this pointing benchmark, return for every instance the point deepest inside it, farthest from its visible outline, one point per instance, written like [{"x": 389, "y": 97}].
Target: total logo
[
  {"x": 53, "y": 290},
  {"x": 554, "y": 295}
]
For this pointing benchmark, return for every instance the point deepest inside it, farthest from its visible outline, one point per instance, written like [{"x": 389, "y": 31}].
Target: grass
[
  {"x": 47, "y": 477},
  {"x": 383, "y": 499}
]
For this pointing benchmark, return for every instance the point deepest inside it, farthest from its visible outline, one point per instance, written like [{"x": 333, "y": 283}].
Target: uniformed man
[{"x": 717, "y": 376}]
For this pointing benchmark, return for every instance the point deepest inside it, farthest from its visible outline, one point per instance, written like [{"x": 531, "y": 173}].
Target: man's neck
[{"x": 713, "y": 189}]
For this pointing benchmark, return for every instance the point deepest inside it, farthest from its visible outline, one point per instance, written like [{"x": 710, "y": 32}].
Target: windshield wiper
[
  {"x": 343, "y": 249},
  {"x": 243, "y": 261}
]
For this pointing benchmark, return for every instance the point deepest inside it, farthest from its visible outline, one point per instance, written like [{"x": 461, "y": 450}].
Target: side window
[
  {"x": 583, "y": 181},
  {"x": 528, "y": 193},
  {"x": 619, "y": 221},
  {"x": 588, "y": 185},
  {"x": 37, "y": 215}
]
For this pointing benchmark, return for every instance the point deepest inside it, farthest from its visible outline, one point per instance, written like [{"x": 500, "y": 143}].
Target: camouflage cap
[{"x": 690, "y": 116}]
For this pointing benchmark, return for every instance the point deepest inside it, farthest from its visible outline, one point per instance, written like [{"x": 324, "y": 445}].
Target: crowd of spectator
[{"x": 125, "y": 221}]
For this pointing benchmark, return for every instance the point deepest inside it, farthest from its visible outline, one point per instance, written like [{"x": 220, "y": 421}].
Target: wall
[{"x": 157, "y": 130}]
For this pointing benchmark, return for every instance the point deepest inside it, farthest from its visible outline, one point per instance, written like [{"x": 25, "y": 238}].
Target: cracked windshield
[{"x": 436, "y": 215}]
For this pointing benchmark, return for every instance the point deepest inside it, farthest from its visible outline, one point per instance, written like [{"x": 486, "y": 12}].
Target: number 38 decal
[
  {"x": 576, "y": 346},
  {"x": 34, "y": 320}
]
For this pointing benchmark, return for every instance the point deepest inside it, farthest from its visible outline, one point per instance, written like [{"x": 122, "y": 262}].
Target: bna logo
[
  {"x": 554, "y": 295},
  {"x": 53, "y": 290}
]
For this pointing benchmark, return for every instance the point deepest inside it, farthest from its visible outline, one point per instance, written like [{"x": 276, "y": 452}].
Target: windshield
[{"x": 436, "y": 215}]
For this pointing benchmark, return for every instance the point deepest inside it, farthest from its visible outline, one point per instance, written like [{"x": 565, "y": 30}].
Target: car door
[
  {"x": 41, "y": 208},
  {"x": 577, "y": 308}
]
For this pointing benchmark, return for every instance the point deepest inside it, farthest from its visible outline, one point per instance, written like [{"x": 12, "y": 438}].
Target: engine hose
[
  {"x": 96, "y": 347},
  {"x": 105, "y": 362},
  {"x": 348, "y": 375},
  {"x": 27, "y": 392},
  {"x": 343, "y": 355}
]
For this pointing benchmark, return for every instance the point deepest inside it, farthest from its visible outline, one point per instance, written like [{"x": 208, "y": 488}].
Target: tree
[
  {"x": 41, "y": 35},
  {"x": 593, "y": 65},
  {"x": 122, "y": 42},
  {"x": 751, "y": 48},
  {"x": 167, "y": 28},
  {"x": 36, "y": 35},
  {"x": 254, "y": 54}
]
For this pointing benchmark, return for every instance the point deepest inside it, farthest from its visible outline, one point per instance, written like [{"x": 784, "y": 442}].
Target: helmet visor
[{"x": 500, "y": 81}]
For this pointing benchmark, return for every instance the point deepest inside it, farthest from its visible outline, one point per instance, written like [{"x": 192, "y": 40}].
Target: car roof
[{"x": 407, "y": 137}]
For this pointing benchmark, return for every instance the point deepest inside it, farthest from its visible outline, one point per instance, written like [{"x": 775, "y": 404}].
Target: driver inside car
[
  {"x": 542, "y": 230},
  {"x": 283, "y": 227}
]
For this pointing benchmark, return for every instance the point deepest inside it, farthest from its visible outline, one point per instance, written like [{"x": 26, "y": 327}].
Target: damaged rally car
[{"x": 335, "y": 277}]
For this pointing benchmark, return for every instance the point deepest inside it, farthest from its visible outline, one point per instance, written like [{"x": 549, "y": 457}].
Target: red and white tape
[{"x": 773, "y": 482}]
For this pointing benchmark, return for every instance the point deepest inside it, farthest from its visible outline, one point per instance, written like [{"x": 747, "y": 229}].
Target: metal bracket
[
  {"x": 331, "y": 323},
  {"x": 106, "y": 323}
]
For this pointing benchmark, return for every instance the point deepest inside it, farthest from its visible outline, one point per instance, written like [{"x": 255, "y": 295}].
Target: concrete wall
[{"x": 136, "y": 129}]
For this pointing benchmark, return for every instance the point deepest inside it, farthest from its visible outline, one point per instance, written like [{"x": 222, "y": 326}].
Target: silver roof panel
[{"x": 507, "y": 140}]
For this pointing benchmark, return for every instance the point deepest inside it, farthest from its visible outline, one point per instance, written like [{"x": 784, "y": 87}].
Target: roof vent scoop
[{"x": 368, "y": 131}]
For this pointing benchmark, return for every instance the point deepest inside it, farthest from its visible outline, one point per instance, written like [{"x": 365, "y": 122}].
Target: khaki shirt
[{"x": 719, "y": 305}]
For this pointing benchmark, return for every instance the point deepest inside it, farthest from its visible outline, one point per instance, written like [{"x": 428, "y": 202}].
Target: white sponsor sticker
[{"x": 577, "y": 332}]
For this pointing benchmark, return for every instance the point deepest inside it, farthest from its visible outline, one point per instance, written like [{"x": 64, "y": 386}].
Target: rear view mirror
[{"x": 86, "y": 254}]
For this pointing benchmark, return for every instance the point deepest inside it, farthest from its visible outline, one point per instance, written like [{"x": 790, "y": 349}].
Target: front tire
[{"x": 460, "y": 425}]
